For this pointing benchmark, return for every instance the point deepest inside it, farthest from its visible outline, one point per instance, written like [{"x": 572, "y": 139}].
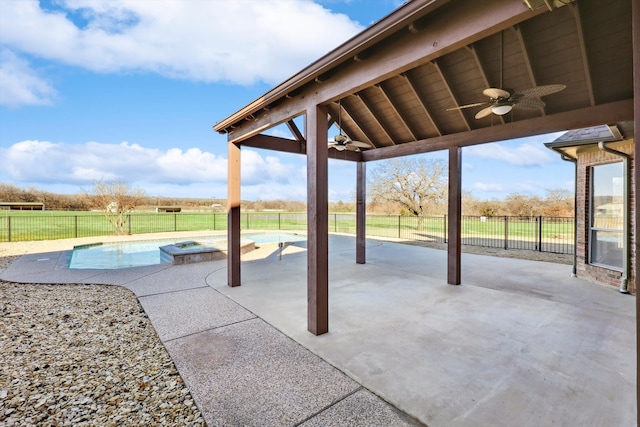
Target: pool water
[{"x": 141, "y": 253}]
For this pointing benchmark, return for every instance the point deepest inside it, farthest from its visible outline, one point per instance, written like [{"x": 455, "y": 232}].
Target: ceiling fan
[
  {"x": 501, "y": 101},
  {"x": 341, "y": 141}
]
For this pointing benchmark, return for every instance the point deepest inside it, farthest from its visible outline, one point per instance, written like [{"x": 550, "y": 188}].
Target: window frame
[{"x": 592, "y": 230}]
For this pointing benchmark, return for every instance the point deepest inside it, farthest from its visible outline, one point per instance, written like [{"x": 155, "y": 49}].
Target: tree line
[{"x": 391, "y": 191}]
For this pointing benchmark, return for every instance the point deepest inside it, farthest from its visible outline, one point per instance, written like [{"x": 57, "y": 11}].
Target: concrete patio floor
[{"x": 518, "y": 343}]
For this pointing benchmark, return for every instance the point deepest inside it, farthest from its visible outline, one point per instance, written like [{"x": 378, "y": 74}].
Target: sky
[{"x": 128, "y": 90}]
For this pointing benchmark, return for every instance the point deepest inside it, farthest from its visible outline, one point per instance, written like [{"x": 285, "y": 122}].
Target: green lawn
[{"x": 48, "y": 225}]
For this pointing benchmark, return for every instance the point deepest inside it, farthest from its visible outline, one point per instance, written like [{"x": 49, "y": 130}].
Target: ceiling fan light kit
[
  {"x": 501, "y": 109},
  {"x": 502, "y": 101}
]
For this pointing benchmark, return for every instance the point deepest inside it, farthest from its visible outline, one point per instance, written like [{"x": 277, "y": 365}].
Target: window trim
[{"x": 593, "y": 230}]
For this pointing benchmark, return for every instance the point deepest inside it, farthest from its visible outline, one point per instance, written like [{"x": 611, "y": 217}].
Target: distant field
[{"x": 555, "y": 234}]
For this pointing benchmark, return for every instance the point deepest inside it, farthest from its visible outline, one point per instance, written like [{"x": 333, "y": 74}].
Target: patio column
[
  {"x": 455, "y": 216},
  {"x": 635, "y": 29},
  {"x": 361, "y": 213},
  {"x": 317, "y": 221},
  {"x": 233, "y": 214}
]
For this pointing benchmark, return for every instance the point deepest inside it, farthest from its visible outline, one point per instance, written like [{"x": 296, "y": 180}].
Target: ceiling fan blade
[
  {"x": 538, "y": 91},
  {"x": 339, "y": 147},
  {"x": 360, "y": 144},
  {"x": 496, "y": 93},
  {"x": 484, "y": 112},
  {"x": 477, "y": 104},
  {"x": 529, "y": 104}
]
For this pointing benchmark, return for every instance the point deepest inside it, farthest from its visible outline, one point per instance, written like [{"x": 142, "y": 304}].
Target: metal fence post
[
  {"x": 175, "y": 222},
  {"x": 399, "y": 217},
  {"x": 335, "y": 222},
  {"x": 129, "y": 220},
  {"x": 9, "y": 227},
  {"x": 444, "y": 236},
  {"x": 279, "y": 221},
  {"x": 506, "y": 232},
  {"x": 75, "y": 226},
  {"x": 540, "y": 234}
]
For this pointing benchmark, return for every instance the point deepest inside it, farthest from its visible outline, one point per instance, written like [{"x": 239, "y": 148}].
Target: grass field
[{"x": 533, "y": 232}]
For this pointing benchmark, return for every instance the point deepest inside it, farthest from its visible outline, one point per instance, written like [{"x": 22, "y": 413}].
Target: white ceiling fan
[
  {"x": 501, "y": 101},
  {"x": 341, "y": 141}
]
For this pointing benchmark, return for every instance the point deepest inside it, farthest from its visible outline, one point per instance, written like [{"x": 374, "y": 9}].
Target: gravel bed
[{"x": 81, "y": 355}]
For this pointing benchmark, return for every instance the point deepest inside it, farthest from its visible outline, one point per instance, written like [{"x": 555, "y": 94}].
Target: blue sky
[{"x": 130, "y": 89}]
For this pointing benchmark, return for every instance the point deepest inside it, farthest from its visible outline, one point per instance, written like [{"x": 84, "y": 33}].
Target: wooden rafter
[
  {"x": 425, "y": 109},
  {"x": 295, "y": 131},
  {"x": 345, "y": 114},
  {"x": 583, "y": 51},
  {"x": 474, "y": 54},
  {"x": 394, "y": 107},
  {"x": 369, "y": 107},
  {"x": 451, "y": 94}
]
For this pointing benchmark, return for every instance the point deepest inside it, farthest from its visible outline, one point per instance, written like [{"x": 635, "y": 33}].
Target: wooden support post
[
  {"x": 361, "y": 213},
  {"x": 455, "y": 216},
  {"x": 317, "y": 222},
  {"x": 635, "y": 29},
  {"x": 233, "y": 215}
]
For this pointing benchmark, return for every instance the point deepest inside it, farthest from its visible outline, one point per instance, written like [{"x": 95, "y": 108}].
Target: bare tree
[
  {"x": 116, "y": 200},
  {"x": 418, "y": 185}
]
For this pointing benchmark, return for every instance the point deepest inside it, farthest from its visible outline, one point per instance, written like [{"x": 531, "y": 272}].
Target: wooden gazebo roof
[{"x": 397, "y": 79}]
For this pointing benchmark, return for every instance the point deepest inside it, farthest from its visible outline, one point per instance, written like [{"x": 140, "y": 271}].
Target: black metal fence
[{"x": 545, "y": 234}]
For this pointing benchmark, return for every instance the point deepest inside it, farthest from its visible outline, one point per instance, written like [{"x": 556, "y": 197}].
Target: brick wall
[{"x": 586, "y": 159}]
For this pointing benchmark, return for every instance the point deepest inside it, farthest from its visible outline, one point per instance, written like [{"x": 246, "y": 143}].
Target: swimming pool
[{"x": 140, "y": 253}]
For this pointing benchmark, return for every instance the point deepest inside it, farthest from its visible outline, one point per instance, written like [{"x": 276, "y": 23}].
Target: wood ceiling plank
[
  {"x": 370, "y": 108},
  {"x": 583, "y": 52},
  {"x": 451, "y": 94},
  {"x": 399, "y": 116},
  {"x": 423, "y": 104}
]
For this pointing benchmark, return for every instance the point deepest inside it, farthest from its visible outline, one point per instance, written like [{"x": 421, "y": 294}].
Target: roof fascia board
[
  {"x": 399, "y": 18},
  {"x": 452, "y": 31},
  {"x": 574, "y": 119}
]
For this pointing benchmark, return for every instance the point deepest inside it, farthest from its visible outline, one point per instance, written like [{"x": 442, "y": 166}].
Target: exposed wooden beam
[
  {"x": 525, "y": 56},
  {"x": 423, "y": 104},
  {"x": 233, "y": 215},
  {"x": 317, "y": 222},
  {"x": 476, "y": 59},
  {"x": 585, "y": 117},
  {"x": 451, "y": 94},
  {"x": 369, "y": 107},
  {"x": 284, "y": 145},
  {"x": 274, "y": 143},
  {"x": 345, "y": 112},
  {"x": 454, "y": 29},
  {"x": 454, "y": 230},
  {"x": 583, "y": 52},
  {"x": 361, "y": 213},
  {"x": 295, "y": 131},
  {"x": 394, "y": 107}
]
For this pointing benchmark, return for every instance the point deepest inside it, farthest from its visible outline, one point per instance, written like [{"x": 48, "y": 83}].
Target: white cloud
[
  {"x": 82, "y": 164},
  {"x": 20, "y": 84},
  {"x": 524, "y": 154},
  {"x": 233, "y": 41},
  {"x": 488, "y": 187}
]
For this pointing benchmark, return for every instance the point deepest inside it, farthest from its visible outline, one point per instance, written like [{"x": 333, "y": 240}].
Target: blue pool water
[{"x": 141, "y": 253}]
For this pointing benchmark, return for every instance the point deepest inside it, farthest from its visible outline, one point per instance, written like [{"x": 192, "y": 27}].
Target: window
[{"x": 607, "y": 216}]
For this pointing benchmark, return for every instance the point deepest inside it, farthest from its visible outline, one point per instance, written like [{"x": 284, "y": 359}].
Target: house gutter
[{"x": 626, "y": 226}]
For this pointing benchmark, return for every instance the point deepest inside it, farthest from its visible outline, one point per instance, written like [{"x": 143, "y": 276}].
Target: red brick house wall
[{"x": 587, "y": 158}]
